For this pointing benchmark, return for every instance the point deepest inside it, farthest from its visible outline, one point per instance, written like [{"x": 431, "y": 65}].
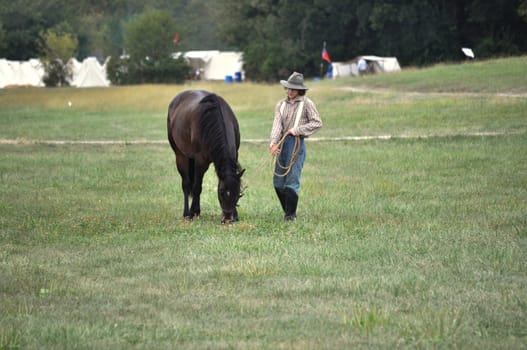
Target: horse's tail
[
  {"x": 209, "y": 106},
  {"x": 169, "y": 124},
  {"x": 170, "y": 119},
  {"x": 211, "y": 123}
]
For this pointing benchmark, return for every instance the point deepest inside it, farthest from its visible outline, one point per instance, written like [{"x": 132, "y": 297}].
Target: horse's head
[{"x": 229, "y": 192}]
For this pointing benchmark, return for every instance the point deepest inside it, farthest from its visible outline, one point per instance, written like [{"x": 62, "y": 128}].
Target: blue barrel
[
  {"x": 238, "y": 77},
  {"x": 228, "y": 79}
]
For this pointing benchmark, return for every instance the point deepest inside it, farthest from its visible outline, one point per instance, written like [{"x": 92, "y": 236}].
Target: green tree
[
  {"x": 494, "y": 28},
  {"x": 57, "y": 49},
  {"x": 22, "y": 23},
  {"x": 276, "y": 36},
  {"x": 274, "y": 41},
  {"x": 522, "y": 10},
  {"x": 149, "y": 36},
  {"x": 148, "y": 42},
  {"x": 280, "y": 36},
  {"x": 24, "y": 20},
  {"x": 58, "y": 45},
  {"x": 3, "y": 44}
]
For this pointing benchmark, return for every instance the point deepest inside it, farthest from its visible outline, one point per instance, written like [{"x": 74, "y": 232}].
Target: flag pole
[{"x": 322, "y": 62}]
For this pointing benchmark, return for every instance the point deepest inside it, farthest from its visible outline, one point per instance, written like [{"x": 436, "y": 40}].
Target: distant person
[
  {"x": 329, "y": 72},
  {"x": 295, "y": 118},
  {"x": 363, "y": 66}
]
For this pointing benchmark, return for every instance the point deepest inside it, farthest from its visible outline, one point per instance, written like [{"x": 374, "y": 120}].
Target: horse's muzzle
[{"x": 229, "y": 217}]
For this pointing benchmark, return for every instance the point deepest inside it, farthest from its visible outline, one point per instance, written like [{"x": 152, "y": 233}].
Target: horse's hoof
[{"x": 291, "y": 217}]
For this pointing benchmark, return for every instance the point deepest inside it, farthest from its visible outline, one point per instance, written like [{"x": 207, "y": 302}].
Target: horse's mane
[{"x": 214, "y": 134}]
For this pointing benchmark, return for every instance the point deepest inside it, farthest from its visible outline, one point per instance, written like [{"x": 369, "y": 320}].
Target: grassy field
[{"x": 417, "y": 241}]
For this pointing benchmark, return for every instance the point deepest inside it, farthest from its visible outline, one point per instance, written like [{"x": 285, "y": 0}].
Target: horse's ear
[{"x": 240, "y": 173}]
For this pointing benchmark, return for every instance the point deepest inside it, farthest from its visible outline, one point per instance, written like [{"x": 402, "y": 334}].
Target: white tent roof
[{"x": 202, "y": 57}]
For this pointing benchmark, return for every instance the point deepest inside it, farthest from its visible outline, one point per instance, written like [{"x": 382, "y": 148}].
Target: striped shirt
[{"x": 310, "y": 121}]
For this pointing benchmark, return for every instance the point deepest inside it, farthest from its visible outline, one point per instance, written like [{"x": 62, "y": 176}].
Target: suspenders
[{"x": 299, "y": 111}]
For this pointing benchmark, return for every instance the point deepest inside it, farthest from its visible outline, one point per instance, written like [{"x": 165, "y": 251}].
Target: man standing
[
  {"x": 295, "y": 118},
  {"x": 363, "y": 66}
]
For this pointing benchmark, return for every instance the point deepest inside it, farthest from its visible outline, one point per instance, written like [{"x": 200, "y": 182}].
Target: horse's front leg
[
  {"x": 186, "y": 212},
  {"x": 199, "y": 172},
  {"x": 195, "y": 209}
]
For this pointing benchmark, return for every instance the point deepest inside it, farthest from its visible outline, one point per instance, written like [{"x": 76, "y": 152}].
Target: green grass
[
  {"x": 401, "y": 243},
  {"x": 507, "y": 75}
]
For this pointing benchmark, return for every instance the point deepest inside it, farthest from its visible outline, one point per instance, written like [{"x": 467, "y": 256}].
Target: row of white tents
[
  {"x": 88, "y": 73},
  {"x": 206, "y": 65}
]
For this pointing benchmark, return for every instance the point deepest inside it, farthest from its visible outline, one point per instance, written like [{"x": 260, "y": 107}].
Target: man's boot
[
  {"x": 291, "y": 202},
  {"x": 281, "y": 197}
]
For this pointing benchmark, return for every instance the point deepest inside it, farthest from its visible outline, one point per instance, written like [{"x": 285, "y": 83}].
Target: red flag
[
  {"x": 325, "y": 55},
  {"x": 176, "y": 38}
]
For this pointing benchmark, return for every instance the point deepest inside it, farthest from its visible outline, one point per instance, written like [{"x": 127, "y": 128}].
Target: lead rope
[
  {"x": 294, "y": 155},
  {"x": 296, "y": 148}
]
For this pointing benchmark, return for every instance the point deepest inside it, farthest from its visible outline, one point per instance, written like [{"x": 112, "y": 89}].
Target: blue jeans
[{"x": 291, "y": 180}]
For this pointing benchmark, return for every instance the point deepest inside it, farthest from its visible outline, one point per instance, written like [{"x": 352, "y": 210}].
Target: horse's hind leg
[{"x": 183, "y": 167}]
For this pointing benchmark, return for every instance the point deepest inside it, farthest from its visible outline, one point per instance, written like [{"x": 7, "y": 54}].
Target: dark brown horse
[{"x": 203, "y": 129}]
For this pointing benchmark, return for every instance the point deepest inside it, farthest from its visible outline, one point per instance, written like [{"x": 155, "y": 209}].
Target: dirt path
[{"x": 256, "y": 141}]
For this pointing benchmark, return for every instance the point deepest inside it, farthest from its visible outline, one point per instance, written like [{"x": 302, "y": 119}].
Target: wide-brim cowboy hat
[{"x": 295, "y": 82}]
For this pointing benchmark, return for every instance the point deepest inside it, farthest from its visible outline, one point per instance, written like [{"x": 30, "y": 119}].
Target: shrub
[
  {"x": 122, "y": 71},
  {"x": 56, "y": 73}
]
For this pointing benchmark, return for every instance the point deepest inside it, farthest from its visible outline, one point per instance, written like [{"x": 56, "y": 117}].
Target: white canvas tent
[
  {"x": 376, "y": 64},
  {"x": 88, "y": 74},
  {"x": 344, "y": 69},
  {"x": 214, "y": 64},
  {"x": 21, "y": 73}
]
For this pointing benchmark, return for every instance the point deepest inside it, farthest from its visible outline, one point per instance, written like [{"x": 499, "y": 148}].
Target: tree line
[{"x": 276, "y": 36}]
